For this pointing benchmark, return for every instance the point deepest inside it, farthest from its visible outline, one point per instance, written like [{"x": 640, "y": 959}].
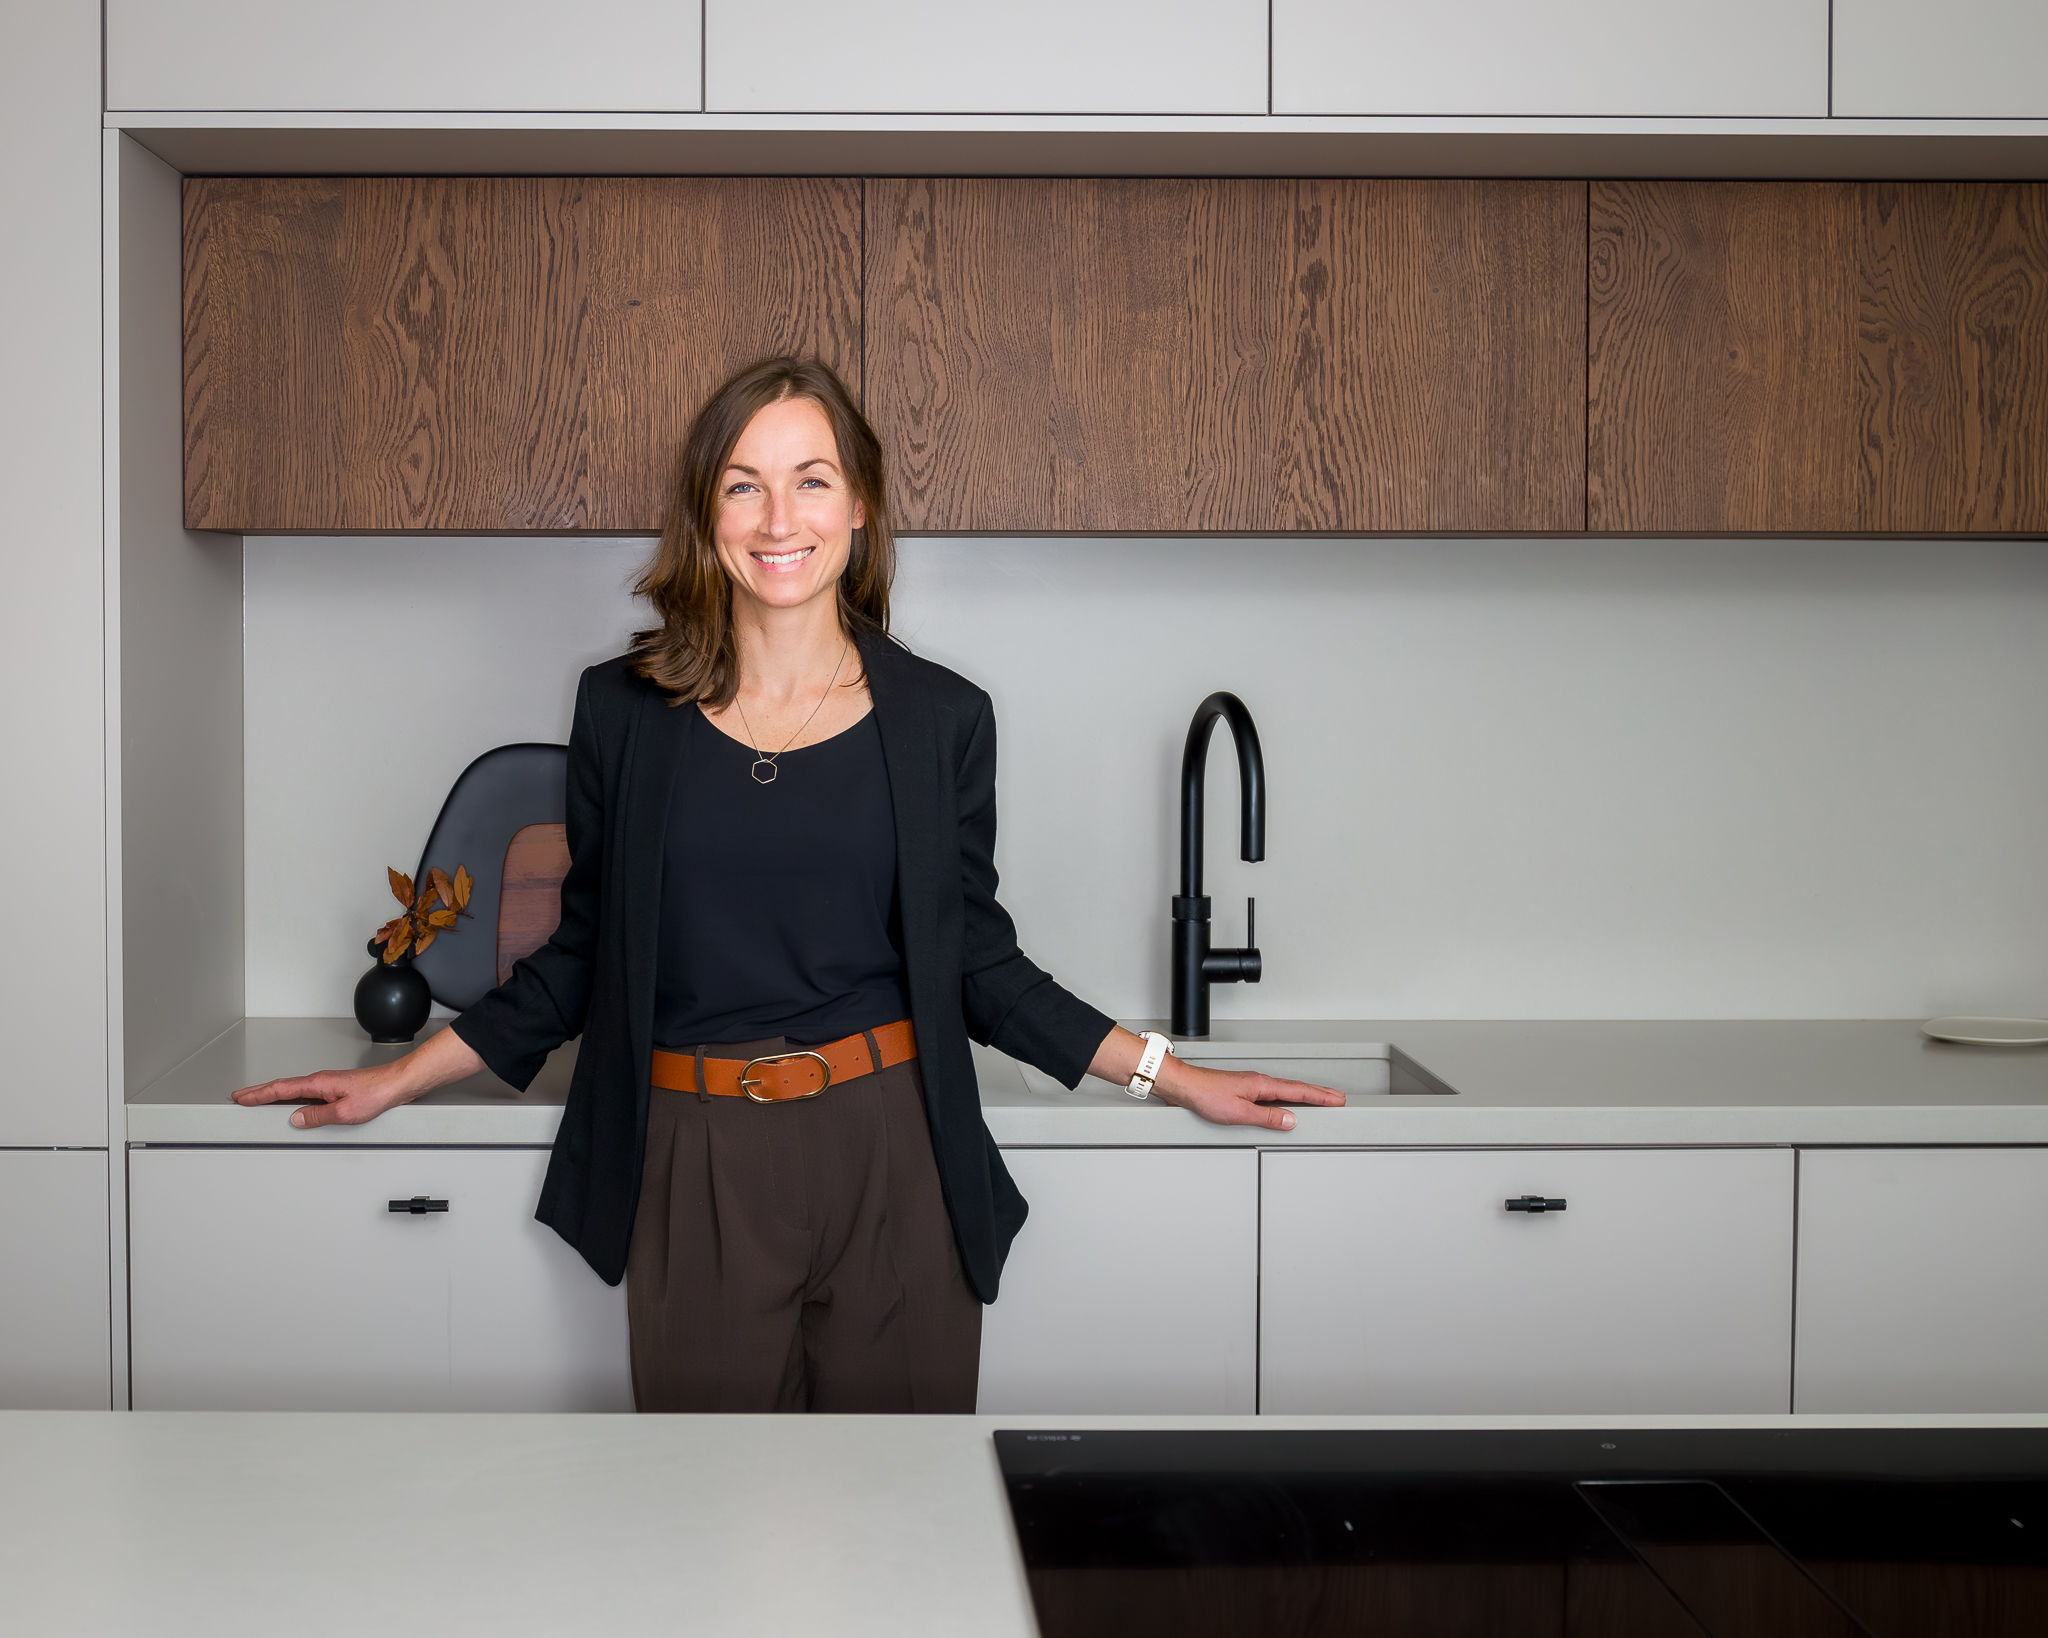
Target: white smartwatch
[{"x": 1157, "y": 1047}]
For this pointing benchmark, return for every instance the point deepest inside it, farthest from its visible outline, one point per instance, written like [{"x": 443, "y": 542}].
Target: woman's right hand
[{"x": 348, "y": 1097}]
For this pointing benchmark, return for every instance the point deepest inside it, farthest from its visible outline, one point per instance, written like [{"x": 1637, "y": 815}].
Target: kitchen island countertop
[
  {"x": 1772, "y": 1081},
  {"x": 248, "y": 1524}
]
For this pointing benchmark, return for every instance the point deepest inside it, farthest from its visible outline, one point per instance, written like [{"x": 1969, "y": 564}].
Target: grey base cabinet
[
  {"x": 279, "y": 1279},
  {"x": 1132, "y": 1288},
  {"x": 1923, "y": 1280},
  {"x": 1397, "y": 1282},
  {"x": 54, "y": 1313}
]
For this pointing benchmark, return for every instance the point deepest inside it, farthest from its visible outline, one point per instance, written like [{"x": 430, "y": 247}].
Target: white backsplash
[{"x": 1515, "y": 778}]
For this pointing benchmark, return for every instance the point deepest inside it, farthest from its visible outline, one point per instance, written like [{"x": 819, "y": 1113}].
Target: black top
[
  {"x": 778, "y": 901},
  {"x": 965, "y": 976}
]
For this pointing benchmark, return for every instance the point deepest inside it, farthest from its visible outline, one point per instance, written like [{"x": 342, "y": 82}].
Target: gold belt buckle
[{"x": 747, "y": 1084}]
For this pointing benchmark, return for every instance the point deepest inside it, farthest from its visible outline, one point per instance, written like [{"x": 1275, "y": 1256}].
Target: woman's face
[{"x": 786, "y": 515}]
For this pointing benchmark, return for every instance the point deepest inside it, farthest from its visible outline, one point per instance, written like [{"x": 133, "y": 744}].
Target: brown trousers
[{"x": 797, "y": 1256}]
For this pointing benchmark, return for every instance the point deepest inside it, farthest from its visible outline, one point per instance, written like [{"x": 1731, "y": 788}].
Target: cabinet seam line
[{"x": 1792, "y": 1381}]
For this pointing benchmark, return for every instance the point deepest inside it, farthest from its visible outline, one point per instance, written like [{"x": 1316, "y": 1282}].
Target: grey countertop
[
  {"x": 1691, "y": 1082},
  {"x": 119, "y": 1524}
]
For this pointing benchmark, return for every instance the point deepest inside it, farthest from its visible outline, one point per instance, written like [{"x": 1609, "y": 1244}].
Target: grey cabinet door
[
  {"x": 279, "y": 1279},
  {"x": 1589, "y": 57},
  {"x": 1398, "y": 1282},
  {"x": 54, "y": 1294},
  {"x": 1132, "y": 1288},
  {"x": 1923, "y": 1280}
]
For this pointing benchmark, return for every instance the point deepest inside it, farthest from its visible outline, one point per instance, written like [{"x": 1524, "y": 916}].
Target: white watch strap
[{"x": 1157, "y": 1047}]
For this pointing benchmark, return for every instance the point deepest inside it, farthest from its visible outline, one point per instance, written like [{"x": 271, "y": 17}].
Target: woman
[{"x": 779, "y": 931}]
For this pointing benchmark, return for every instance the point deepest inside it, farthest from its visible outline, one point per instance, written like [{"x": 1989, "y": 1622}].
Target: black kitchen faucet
[{"x": 1195, "y": 965}]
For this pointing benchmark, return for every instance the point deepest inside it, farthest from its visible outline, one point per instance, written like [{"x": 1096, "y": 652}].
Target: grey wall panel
[
  {"x": 1509, "y": 778},
  {"x": 181, "y": 676},
  {"x": 53, "y": 1012}
]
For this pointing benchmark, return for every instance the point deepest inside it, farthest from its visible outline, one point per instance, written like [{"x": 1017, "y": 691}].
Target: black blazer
[{"x": 595, "y": 977}]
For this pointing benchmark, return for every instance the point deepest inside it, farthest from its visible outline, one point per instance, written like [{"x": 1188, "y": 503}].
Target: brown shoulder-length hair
[{"x": 694, "y": 652}]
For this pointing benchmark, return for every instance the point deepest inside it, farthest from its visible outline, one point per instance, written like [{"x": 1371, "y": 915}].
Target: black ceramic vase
[{"x": 392, "y": 1001}]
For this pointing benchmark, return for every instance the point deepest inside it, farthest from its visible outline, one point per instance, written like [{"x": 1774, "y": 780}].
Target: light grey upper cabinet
[
  {"x": 608, "y": 56},
  {"x": 991, "y": 57},
  {"x": 1586, "y": 57},
  {"x": 1941, "y": 59}
]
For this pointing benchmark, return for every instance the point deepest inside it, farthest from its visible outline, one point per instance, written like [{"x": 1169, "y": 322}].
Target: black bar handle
[
  {"x": 419, "y": 1205},
  {"x": 1535, "y": 1205}
]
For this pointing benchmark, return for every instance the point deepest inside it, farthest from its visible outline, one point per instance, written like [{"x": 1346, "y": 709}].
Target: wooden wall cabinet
[
  {"x": 1834, "y": 357},
  {"x": 486, "y": 354},
  {"x": 1147, "y": 356},
  {"x": 1161, "y": 355}
]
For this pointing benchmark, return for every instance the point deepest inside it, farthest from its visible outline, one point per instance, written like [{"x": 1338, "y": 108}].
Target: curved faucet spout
[
  {"x": 1251, "y": 786},
  {"x": 1195, "y": 964}
]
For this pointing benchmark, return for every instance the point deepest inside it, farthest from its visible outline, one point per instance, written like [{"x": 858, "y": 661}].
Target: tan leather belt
[{"x": 783, "y": 1077}]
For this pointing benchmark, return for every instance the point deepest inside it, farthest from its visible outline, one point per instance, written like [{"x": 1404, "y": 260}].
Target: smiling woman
[{"x": 779, "y": 932}]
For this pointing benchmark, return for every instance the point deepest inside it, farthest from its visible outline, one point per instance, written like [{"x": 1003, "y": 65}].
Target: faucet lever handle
[{"x": 1251, "y": 925}]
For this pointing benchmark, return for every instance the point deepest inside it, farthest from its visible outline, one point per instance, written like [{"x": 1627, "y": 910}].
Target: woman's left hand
[
  {"x": 1236, "y": 1097},
  {"x": 1228, "y": 1097}
]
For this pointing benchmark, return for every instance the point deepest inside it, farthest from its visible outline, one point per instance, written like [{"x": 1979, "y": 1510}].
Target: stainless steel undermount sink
[{"x": 1358, "y": 1069}]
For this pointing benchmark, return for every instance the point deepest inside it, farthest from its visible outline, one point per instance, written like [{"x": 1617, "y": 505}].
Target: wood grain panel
[
  {"x": 1952, "y": 357},
  {"x": 263, "y": 303},
  {"x": 384, "y": 353},
  {"x": 486, "y": 354},
  {"x": 959, "y": 307},
  {"x": 1771, "y": 357},
  {"x": 1230, "y": 355},
  {"x": 1437, "y": 378},
  {"x": 693, "y": 278},
  {"x": 1124, "y": 339}
]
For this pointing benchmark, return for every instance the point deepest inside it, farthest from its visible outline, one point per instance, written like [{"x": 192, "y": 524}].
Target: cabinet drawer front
[
  {"x": 1921, "y": 1283},
  {"x": 280, "y": 1279},
  {"x": 1132, "y": 1289},
  {"x": 1401, "y": 1282},
  {"x": 53, "y": 1279}
]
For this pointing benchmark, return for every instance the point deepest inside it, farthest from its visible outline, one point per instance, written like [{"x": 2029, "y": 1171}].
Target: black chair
[{"x": 503, "y": 820}]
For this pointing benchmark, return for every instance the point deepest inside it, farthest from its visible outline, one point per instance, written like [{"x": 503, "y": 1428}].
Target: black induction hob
[{"x": 1749, "y": 1533}]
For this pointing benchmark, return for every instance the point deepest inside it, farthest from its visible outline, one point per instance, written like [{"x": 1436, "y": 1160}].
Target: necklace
[{"x": 766, "y": 759}]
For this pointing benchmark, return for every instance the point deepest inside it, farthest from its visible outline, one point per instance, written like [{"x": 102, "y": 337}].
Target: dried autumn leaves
[{"x": 420, "y": 925}]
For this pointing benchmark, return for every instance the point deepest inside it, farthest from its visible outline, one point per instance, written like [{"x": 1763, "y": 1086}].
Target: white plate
[{"x": 1989, "y": 1031}]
